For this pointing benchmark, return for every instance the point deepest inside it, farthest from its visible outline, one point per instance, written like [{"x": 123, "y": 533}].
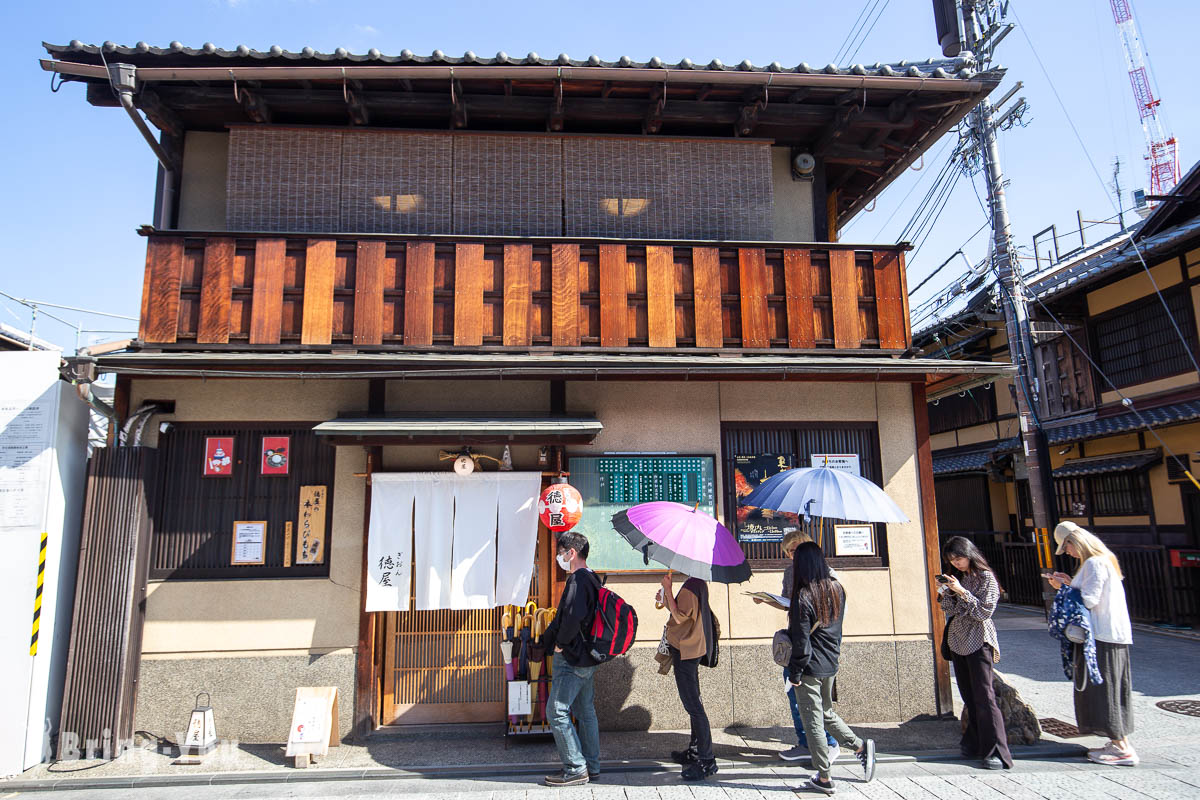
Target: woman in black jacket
[{"x": 818, "y": 603}]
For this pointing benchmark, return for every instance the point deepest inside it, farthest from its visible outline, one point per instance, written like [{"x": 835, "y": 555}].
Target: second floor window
[{"x": 1137, "y": 342}]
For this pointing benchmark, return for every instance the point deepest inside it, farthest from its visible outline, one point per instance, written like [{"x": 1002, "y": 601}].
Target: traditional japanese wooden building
[
  {"x": 626, "y": 271},
  {"x": 1117, "y": 393}
]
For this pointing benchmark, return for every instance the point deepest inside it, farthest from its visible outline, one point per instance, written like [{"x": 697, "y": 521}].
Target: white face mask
[{"x": 564, "y": 562}]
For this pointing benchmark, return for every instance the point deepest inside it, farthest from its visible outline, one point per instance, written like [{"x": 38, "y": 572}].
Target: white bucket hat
[{"x": 1062, "y": 531}]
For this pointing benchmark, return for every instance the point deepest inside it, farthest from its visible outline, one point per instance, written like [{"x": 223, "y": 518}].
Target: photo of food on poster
[
  {"x": 218, "y": 457},
  {"x": 760, "y": 524},
  {"x": 275, "y": 455}
]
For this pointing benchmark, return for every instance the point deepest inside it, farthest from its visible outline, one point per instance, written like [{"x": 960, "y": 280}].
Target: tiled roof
[
  {"x": 1116, "y": 462},
  {"x": 975, "y": 461},
  {"x": 1124, "y": 423},
  {"x": 963, "y": 67}
]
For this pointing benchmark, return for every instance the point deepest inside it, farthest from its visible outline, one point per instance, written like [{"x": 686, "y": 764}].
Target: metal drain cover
[
  {"x": 1056, "y": 727},
  {"x": 1189, "y": 707}
]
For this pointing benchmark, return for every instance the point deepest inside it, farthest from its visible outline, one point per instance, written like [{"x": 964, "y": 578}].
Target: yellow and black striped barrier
[{"x": 37, "y": 598}]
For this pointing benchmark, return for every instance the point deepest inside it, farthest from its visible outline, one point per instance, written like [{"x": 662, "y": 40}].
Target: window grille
[
  {"x": 1113, "y": 494},
  {"x": 1137, "y": 343}
]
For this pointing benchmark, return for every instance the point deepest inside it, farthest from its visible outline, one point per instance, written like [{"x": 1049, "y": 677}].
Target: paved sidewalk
[{"x": 919, "y": 758}]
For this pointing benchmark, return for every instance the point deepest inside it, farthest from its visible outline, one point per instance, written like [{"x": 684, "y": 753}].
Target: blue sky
[{"x": 81, "y": 179}]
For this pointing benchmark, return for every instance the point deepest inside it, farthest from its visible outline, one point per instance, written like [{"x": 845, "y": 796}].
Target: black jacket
[
  {"x": 576, "y": 610},
  {"x": 814, "y": 652}
]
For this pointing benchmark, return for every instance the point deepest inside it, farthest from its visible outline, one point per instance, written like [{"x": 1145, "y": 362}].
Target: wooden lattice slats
[{"x": 373, "y": 292}]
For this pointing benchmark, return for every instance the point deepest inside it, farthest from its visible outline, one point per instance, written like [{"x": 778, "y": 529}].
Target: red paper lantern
[{"x": 560, "y": 507}]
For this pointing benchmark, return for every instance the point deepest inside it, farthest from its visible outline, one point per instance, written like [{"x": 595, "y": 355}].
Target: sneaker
[
  {"x": 1108, "y": 747},
  {"x": 685, "y": 757},
  {"x": 1116, "y": 759},
  {"x": 993, "y": 762},
  {"x": 566, "y": 779},
  {"x": 699, "y": 770},
  {"x": 593, "y": 776},
  {"x": 866, "y": 757},
  {"x": 824, "y": 787},
  {"x": 794, "y": 753}
]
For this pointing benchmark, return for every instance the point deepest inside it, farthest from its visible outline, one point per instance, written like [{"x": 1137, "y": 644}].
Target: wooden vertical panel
[
  {"x": 468, "y": 294},
  {"x": 368, "y": 292},
  {"x": 889, "y": 308},
  {"x": 319, "y": 265},
  {"x": 216, "y": 291},
  {"x": 564, "y": 295},
  {"x": 844, "y": 288},
  {"x": 706, "y": 295},
  {"x": 933, "y": 559},
  {"x": 266, "y": 310},
  {"x": 614, "y": 296},
  {"x": 752, "y": 278},
  {"x": 900, "y": 270},
  {"x": 418, "y": 294},
  {"x": 160, "y": 290},
  {"x": 797, "y": 281},
  {"x": 660, "y": 295},
  {"x": 518, "y": 294}
]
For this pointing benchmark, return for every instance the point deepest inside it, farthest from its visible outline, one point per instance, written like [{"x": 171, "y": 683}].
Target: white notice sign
[
  {"x": 249, "y": 539},
  {"x": 519, "y": 703},
  {"x": 28, "y": 411},
  {"x": 854, "y": 540},
  {"x": 848, "y": 462},
  {"x": 308, "y": 720}
]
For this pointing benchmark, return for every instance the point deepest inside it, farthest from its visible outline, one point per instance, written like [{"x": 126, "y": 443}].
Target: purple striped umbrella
[{"x": 683, "y": 539}]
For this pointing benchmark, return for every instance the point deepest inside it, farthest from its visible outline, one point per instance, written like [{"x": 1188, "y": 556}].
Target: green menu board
[{"x": 612, "y": 483}]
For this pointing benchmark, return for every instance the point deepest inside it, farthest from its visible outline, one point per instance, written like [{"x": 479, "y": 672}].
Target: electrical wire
[
  {"x": 908, "y": 194},
  {"x": 854, "y": 29},
  {"x": 959, "y": 251},
  {"x": 1141, "y": 258},
  {"x": 863, "y": 40},
  {"x": 1126, "y": 401}
]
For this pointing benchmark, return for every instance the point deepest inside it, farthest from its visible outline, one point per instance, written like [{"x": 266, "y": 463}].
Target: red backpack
[{"x": 613, "y": 628}]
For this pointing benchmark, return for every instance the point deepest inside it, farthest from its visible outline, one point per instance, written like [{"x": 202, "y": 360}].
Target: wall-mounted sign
[
  {"x": 218, "y": 456},
  {"x": 760, "y": 524},
  {"x": 276, "y": 452},
  {"x": 854, "y": 540},
  {"x": 847, "y": 462},
  {"x": 249, "y": 542},
  {"x": 311, "y": 544}
]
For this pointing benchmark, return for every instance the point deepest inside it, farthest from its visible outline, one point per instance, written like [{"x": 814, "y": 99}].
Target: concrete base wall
[
  {"x": 879, "y": 681},
  {"x": 252, "y": 696}
]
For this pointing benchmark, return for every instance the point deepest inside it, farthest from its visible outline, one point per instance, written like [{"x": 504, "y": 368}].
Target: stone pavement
[{"x": 919, "y": 763}]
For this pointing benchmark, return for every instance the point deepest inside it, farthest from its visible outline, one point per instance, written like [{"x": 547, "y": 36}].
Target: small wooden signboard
[
  {"x": 314, "y": 724},
  {"x": 311, "y": 533},
  {"x": 249, "y": 542},
  {"x": 287, "y": 543}
]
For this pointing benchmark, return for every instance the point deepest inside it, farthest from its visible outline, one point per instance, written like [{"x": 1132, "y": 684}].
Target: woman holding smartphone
[
  {"x": 969, "y": 596},
  {"x": 1106, "y": 708}
]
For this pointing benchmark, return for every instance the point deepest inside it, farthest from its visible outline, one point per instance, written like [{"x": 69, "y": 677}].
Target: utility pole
[
  {"x": 1117, "y": 189},
  {"x": 983, "y": 27}
]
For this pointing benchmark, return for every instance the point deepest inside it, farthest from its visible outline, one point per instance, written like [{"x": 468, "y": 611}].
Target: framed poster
[
  {"x": 249, "y": 542},
  {"x": 854, "y": 540},
  {"x": 218, "y": 457},
  {"x": 613, "y": 483},
  {"x": 276, "y": 450},
  {"x": 760, "y": 524}
]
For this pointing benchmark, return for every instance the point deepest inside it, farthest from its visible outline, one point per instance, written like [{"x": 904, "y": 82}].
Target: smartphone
[{"x": 942, "y": 578}]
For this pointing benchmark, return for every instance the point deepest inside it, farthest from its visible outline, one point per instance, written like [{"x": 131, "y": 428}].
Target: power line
[
  {"x": 863, "y": 40},
  {"x": 854, "y": 29},
  {"x": 1071, "y": 122}
]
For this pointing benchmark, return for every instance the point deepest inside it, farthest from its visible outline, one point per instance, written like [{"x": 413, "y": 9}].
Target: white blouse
[{"x": 1104, "y": 595}]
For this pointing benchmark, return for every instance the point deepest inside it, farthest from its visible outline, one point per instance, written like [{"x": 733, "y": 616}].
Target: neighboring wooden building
[
  {"x": 1110, "y": 474},
  {"x": 639, "y": 261}
]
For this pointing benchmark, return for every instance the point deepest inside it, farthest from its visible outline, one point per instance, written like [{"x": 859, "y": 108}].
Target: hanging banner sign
[
  {"x": 218, "y": 456},
  {"x": 275, "y": 454},
  {"x": 847, "y": 462}
]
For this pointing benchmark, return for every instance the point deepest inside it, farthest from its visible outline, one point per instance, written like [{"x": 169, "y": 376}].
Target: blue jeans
[
  {"x": 801, "y": 739},
  {"x": 572, "y": 690}
]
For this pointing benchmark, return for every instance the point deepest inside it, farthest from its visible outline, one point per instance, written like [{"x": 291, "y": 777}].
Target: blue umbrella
[{"x": 824, "y": 492}]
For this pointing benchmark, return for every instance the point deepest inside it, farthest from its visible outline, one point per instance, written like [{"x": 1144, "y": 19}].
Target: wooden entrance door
[{"x": 442, "y": 666}]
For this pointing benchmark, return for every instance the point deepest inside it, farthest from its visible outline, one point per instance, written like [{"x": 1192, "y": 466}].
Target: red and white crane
[{"x": 1162, "y": 153}]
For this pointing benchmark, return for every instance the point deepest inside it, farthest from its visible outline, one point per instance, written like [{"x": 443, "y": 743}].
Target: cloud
[{"x": 370, "y": 30}]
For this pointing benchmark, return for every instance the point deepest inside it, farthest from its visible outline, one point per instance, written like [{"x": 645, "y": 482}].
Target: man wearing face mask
[{"x": 571, "y": 689}]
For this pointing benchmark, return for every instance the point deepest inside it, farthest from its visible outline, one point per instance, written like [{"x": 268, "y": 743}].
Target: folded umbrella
[
  {"x": 683, "y": 539},
  {"x": 523, "y": 659}
]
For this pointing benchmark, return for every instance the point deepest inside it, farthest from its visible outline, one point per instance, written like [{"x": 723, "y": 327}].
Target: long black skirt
[{"x": 1105, "y": 709}]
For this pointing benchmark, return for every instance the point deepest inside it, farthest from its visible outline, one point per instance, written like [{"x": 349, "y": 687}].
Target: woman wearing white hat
[{"x": 1105, "y": 708}]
